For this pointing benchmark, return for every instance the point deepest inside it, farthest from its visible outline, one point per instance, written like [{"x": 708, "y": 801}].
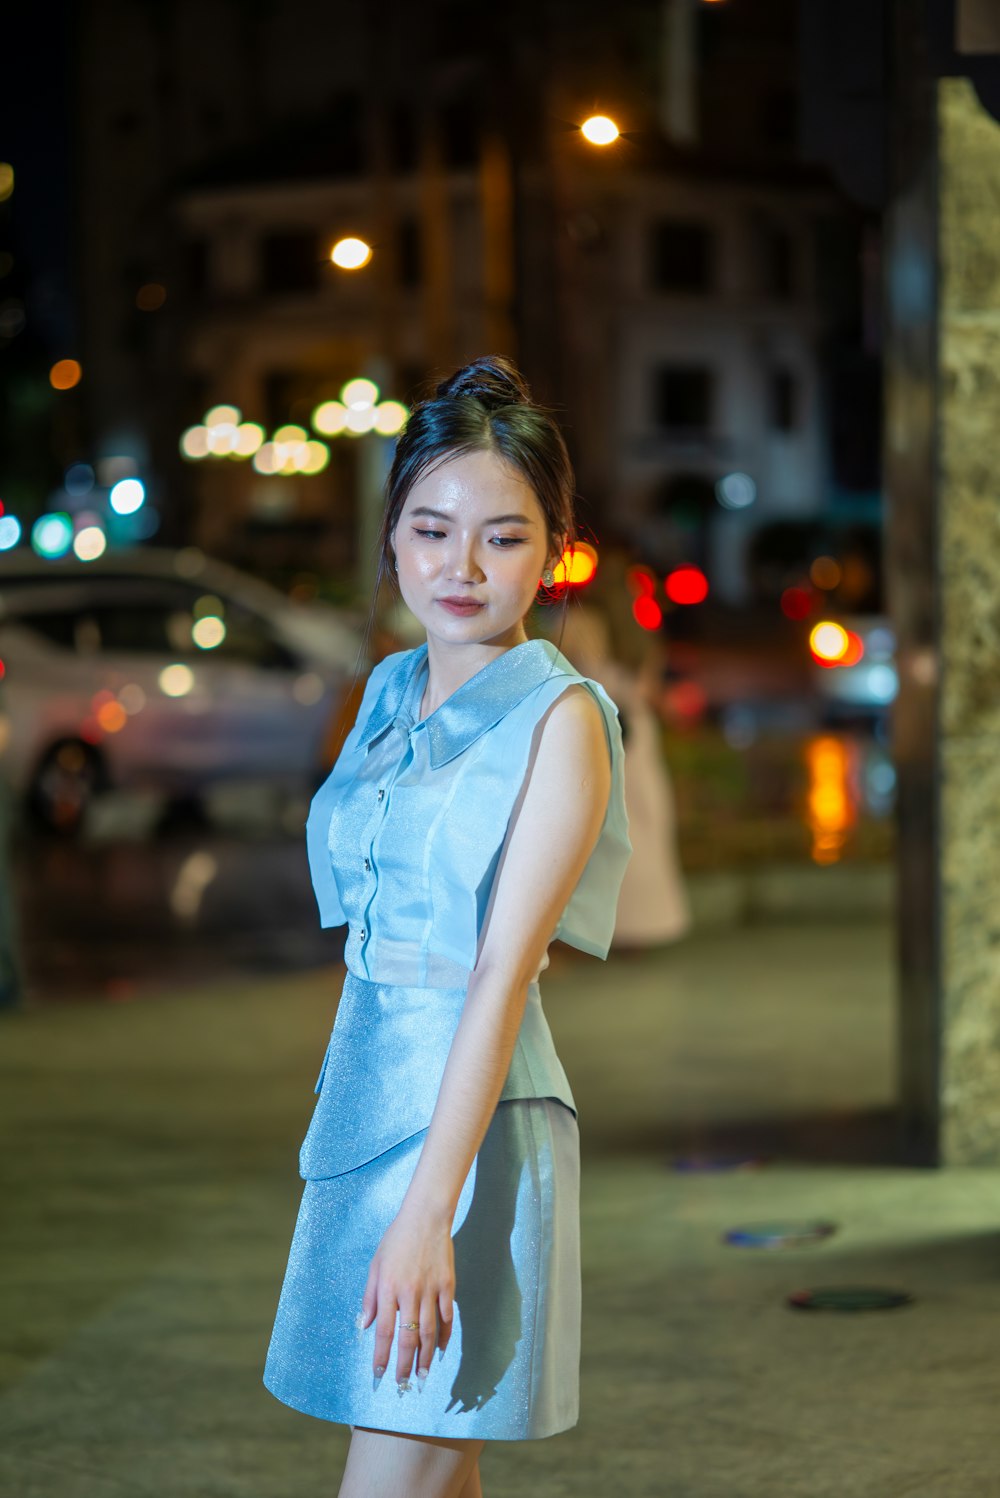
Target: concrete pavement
[{"x": 150, "y": 1188}]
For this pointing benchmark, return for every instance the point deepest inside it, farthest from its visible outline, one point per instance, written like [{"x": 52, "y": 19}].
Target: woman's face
[{"x": 471, "y": 529}]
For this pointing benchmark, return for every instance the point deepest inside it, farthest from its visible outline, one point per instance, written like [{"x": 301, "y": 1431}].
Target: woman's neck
[{"x": 434, "y": 696}]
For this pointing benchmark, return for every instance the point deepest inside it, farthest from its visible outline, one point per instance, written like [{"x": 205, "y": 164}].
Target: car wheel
[{"x": 66, "y": 780}]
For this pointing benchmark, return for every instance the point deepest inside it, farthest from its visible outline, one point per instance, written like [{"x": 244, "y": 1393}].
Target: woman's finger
[
  {"x": 428, "y": 1339},
  {"x": 369, "y": 1301},
  {"x": 409, "y": 1341},
  {"x": 446, "y": 1309},
  {"x": 385, "y": 1326}
]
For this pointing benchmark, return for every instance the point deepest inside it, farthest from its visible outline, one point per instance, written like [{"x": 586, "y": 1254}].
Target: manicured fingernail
[
  {"x": 440, "y": 1353},
  {"x": 403, "y": 1386},
  {"x": 421, "y": 1379},
  {"x": 359, "y": 1321},
  {"x": 378, "y": 1378}
]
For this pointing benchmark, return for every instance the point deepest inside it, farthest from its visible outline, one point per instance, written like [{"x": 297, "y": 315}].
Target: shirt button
[
  {"x": 367, "y": 865},
  {"x": 362, "y": 933},
  {"x": 381, "y": 793}
]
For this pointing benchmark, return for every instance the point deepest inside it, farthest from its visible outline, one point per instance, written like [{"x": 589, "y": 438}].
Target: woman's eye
[
  {"x": 506, "y": 541},
  {"x": 428, "y": 533}
]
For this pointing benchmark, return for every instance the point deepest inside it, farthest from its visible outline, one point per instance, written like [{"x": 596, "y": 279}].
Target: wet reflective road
[{"x": 143, "y": 901}]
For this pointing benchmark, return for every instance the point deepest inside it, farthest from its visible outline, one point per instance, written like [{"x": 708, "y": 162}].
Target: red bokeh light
[
  {"x": 796, "y": 603},
  {"x": 640, "y": 582},
  {"x": 686, "y": 585},
  {"x": 647, "y": 612}
]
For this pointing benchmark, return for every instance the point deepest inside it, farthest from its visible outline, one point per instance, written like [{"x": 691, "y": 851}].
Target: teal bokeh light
[
  {"x": 10, "y": 531},
  {"x": 52, "y": 534}
]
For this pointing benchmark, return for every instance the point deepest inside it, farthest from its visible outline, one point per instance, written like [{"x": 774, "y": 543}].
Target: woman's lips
[{"x": 459, "y": 608}]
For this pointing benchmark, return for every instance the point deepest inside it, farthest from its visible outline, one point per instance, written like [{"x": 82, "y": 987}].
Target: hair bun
[{"x": 493, "y": 381}]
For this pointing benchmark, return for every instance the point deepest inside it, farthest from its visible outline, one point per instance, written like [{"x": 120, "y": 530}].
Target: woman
[{"x": 475, "y": 813}]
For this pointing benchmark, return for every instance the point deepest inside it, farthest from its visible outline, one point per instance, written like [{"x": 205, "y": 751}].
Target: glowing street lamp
[
  {"x": 599, "y": 130},
  {"x": 351, "y": 253}
]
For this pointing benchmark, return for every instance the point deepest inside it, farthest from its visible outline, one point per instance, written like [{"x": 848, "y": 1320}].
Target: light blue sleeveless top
[{"x": 403, "y": 840}]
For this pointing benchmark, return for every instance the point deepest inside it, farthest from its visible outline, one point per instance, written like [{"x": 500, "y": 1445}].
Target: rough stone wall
[{"x": 969, "y": 560}]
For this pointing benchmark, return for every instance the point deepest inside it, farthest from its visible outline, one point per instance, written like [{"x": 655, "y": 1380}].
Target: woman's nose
[{"x": 464, "y": 563}]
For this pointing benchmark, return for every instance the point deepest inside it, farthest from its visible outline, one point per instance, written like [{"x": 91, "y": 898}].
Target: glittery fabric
[
  {"x": 511, "y": 1369},
  {"x": 382, "y": 1070},
  {"x": 404, "y": 839}
]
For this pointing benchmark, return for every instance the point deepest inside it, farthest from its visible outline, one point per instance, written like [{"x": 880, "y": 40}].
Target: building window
[
  {"x": 403, "y": 134},
  {"x": 682, "y": 397},
  {"x": 290, "y": 261},
  {"x": 460, "y": 122},
  {"x": 783, "y": 414},
  {"x": 778, "y": 116},
  {"x": 408, "y": 250},
  {"x": 681, "y": 256},
  {"x": 777, "y": 262}
]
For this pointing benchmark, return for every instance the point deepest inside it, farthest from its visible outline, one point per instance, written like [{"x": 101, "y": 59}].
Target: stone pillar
[
  {"x": 942, "y": 474},
  {"x": 969, "y": 572}
]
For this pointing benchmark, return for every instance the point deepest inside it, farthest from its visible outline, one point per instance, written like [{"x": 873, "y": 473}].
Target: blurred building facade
[{"x": 681, "y": 297}]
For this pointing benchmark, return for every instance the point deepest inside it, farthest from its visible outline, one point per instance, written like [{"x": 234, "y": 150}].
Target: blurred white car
[{"x": 164, "y": 670}]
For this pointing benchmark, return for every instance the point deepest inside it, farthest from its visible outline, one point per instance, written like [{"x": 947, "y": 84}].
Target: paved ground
[{"x": 150, "y": 1188}]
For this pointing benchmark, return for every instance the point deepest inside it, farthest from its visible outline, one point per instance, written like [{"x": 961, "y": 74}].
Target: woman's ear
[{"x": 561, "y": 543}]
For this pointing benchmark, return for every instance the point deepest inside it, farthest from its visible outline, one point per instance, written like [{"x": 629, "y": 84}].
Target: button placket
[{"x": 363, "y": 931}]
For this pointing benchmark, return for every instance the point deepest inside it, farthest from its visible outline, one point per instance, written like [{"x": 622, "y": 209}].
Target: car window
[
  {"x": 249, "y": 638},
  {"x": 135, "y": 629},
  {"x": 58, "y": 626},
  {"x": 167, "y": 628}
]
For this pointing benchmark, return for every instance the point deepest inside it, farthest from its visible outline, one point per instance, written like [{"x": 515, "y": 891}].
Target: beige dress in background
[{"x": 653, "y": 903}]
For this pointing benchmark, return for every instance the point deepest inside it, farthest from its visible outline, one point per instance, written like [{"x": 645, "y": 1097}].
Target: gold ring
[{"x": 409, "y": 1326}]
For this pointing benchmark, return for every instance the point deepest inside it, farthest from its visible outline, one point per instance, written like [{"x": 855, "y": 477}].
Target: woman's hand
[{"x": 413, "y": 1271}]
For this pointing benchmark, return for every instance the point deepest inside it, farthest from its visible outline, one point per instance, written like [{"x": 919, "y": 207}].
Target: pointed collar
[{"x": 477, "y": 705}]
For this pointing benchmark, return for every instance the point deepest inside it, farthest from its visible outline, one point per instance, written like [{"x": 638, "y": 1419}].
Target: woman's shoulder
[{"x": 581, "y": 696}]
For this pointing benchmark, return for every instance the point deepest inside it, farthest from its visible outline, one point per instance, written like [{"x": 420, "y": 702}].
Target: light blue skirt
[{"x": 511, "y": 1370}]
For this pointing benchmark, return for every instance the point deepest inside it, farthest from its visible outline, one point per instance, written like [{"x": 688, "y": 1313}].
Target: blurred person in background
[{"x": 604, "y": 642}]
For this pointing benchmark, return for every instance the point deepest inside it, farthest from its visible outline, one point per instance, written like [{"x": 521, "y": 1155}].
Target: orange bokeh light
[
  {"x": 829, "y": 643},
  {"x": 64, "y": 374},
  {"x": 830, "y": 805},
  {"x": 855, "y": 650},
  {"x": 576, "y": 566},
  {"x": 111, "y": 716}
]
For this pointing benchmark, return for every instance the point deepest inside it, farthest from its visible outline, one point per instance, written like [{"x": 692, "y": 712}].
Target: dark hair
[{"x": 485, "y": 407}]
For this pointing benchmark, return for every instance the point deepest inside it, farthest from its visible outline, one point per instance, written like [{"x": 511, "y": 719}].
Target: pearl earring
[{"x": 548, "y": 577}]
